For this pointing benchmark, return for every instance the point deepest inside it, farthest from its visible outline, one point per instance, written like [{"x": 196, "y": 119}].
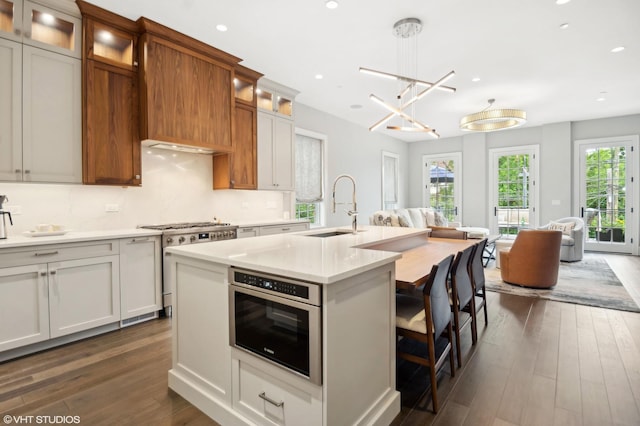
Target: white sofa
[
  {"x": 573, "y": 236},
  {"x": 421, "y": 217}
]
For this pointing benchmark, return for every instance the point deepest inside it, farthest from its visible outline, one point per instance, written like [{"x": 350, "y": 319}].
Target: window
[
  {"x": 390, "y": 181},
  {"x": 309, "y": 161}
]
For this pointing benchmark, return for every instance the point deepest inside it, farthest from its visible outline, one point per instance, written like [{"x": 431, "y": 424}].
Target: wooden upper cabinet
[
  {"x": 239, "y": 170},
  {"x": 187, "y": 95},
  {"x": 111, "y": 143}
]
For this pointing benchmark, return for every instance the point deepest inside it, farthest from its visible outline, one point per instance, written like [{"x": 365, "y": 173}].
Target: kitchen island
[{"x": 357, "y": 287}]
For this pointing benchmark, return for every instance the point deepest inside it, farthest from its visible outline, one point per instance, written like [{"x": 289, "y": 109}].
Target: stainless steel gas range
[{"x": 184, "y": 233}]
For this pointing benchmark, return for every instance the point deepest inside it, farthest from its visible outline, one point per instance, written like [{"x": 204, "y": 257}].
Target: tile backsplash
[{"x": 176, "y": 187}]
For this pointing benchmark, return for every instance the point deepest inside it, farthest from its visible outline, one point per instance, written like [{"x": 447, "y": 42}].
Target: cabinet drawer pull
[
  {"x": 286, "y": 229},
  {"x": 271, "y": 401},
  {"x": 47, "y": 253},
  {"x": 139, "y": 240},
  {"x": 246, "y": 230}
]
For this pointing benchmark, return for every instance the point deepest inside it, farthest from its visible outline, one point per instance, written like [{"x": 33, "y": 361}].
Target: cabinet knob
[
  {"x": 137, "y": 176},
  {"x": 43, "y": 274},
  {"x": 27, "y": 34},
  {"x": 18, "y": 171},
  {"x": 135, "y": 63},
  {"x": 17, "y": 31},
  {"x": 52, "y": 272},
  {"x": 26, "y": 172}
]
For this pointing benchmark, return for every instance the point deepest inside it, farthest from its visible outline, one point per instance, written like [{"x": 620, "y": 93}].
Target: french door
[
  {"x": 514, "y": 193},
  {"x": 442, "y": 183},
  {"x": 606, "y": 192}
]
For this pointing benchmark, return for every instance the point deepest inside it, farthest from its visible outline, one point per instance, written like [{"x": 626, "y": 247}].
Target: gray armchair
[{"x": 572, "y": 246}]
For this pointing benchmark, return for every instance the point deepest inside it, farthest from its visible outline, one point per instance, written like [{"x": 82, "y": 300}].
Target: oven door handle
[{"x": 269, "y": 400}]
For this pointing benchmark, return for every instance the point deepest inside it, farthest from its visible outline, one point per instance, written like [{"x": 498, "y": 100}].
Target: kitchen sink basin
[{"x": 329, "y": 233}]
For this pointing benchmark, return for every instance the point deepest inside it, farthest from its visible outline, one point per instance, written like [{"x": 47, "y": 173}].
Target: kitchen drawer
[
  {"x": 282, "y": 229},
  {"x": 270, "y": 401},
  {"x": 246, "y": 232},
  {"x": 57, "y": 252}
]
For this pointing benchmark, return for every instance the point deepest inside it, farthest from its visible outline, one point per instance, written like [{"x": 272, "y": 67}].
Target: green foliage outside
[{"x": 307, "y": 211}]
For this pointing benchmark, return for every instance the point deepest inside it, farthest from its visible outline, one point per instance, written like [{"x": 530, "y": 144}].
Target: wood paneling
[
  {"x": 111, "y": 144},
  {"x": 187, "y": 98}
]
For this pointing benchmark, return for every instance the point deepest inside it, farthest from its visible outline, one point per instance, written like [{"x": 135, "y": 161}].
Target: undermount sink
[{"x": 333, "y": 233}]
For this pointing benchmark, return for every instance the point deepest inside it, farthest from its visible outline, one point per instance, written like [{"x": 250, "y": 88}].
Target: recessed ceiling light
[
  {"x": 617, "y": 49},
  {"x": 331, "y": 4},
  {"x": 221, "y": 27},
  {"x": 319, "y": 77},
  {"x": 600, "y": 99},
  {"x": 564, "y": 26},
  {"x": 356, "y": 106},
  {"x": 475, "y": 79},
  {"x": 562, "y": 1}
]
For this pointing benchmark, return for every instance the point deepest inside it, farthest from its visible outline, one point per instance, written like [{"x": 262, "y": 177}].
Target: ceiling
[{"x": 515, "y": 47}]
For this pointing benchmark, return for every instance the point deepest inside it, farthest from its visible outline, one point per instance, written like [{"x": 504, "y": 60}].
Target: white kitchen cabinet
[
  {"x": 276, "y": 167},
  {"x": 57, "y": 28},
  {"x": 24, "y": 306},
  {"x": 140, "y": 278},
  {"x": 281, "y": 228},
  {"x": 267, "y": 400},
  {"x": 55, "y": 290},
  {"x": 83, "y": 294},
  {"x": 41, "y": 132},
  {"x": 201, "y": 352},
  {"x": 276, "y": 136},
  {"x": 284, "y": 228},
  {"x": 248, "y": 231},
  {"x": 10, "y": 110}
]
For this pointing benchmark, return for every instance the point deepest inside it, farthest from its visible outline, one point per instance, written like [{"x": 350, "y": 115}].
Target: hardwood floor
[
  {"x": 537, "y": 363},
  {"x": 541, "y": 363}
]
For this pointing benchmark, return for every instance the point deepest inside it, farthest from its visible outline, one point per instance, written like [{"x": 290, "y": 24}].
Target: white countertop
[
  {"x": 72, "y": 236},
  {"x": 297, "y": 255}
]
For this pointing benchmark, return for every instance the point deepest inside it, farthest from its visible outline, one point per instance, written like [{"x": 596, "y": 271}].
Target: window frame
[{"x": 320, "y": 206}]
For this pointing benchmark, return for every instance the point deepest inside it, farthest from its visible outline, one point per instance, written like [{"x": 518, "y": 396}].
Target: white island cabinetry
[{"x": 236, "y": 387}]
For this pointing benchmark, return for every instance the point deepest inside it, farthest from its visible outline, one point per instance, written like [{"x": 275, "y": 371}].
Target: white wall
[
  {"x": 556, "y": 163},
  {"x": 356, "y": 151}
]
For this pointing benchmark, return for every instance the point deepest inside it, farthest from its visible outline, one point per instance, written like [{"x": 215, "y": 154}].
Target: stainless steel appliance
[
  {"x": 3, "y": 218},
  {"x": 278, "y": 319},
  {"x": 184, "y": 233}
]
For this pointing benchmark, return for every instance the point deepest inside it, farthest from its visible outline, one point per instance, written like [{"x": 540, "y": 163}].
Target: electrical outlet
[{"x": 110, "y": 208}]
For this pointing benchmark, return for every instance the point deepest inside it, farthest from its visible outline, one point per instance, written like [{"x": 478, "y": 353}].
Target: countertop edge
[{"x": 19, "y": 241}]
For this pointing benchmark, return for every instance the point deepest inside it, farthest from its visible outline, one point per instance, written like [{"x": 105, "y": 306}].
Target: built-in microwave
[{"x": 278, "y": 319}]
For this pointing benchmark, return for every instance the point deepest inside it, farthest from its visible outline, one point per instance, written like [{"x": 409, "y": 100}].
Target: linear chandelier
[
  {"x": 410, "y": 87},
  {"x": 490, "y": 120}
]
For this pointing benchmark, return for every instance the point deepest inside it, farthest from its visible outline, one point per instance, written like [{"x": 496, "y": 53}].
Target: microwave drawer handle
[{"x": 270, "y": 401}]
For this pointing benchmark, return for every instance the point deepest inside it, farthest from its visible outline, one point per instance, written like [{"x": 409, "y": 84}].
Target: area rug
[{"x": 588, "y": 282}]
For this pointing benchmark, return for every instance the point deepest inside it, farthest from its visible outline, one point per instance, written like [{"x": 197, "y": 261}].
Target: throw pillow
[
  {"x": 394, "y": 219},
  {"x": 565, "y": 227},
  {"x": 429, "y": 218},
  {"x": 381, "y": 218},
  {"x": 403, "y": 221},
  {"x": 440, "y": 220}
]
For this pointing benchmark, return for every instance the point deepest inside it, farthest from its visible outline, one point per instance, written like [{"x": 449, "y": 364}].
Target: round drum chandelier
[{"x": 490, "y": 120}]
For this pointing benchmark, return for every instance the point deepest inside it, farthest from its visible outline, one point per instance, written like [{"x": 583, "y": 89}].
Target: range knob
[
  {"x": 225, "y": 234},
  {"x": 181, "y": 240},
  {"x": 193, "y": 238},
  {"x": 169, "y": 240}
]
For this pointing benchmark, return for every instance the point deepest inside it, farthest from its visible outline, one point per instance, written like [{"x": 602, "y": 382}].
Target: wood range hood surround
[{"x": 186, "y": 91}]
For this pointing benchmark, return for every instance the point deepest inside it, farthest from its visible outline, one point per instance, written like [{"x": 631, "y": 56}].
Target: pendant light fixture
[
  {"x": 490, "y": 120},
  {"x": 410, "y": 89}
]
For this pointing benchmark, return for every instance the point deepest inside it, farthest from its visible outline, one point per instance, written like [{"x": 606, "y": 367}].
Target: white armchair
[{"x": 573, "y": 236}]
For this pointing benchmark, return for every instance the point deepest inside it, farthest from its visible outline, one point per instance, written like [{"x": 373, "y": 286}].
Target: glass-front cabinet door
[
  {"x": 40, "y": 26},
  {"x": 111, "y": 46},
  {"x": 11, "y": 19}
]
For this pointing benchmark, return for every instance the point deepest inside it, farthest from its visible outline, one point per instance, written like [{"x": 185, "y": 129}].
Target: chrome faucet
[{"x": 353, "y": 213}]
